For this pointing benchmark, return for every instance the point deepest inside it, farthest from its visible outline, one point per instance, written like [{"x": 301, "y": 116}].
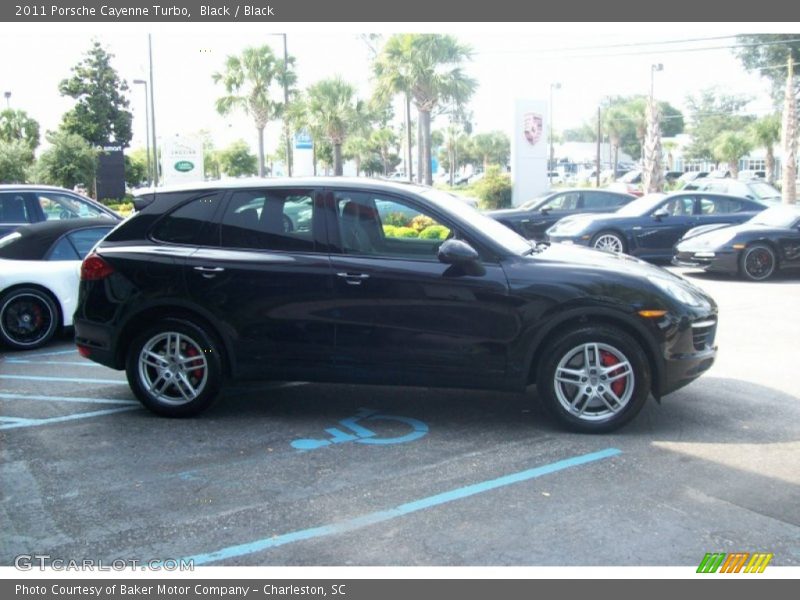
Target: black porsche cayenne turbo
[{"x": 362, "y": 281}]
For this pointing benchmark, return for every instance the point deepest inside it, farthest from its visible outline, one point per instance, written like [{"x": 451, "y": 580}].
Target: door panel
[{"x": 657, "y": 236}]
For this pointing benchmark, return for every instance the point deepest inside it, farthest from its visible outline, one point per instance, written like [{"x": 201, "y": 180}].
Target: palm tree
[
  {"x": 248, "y": 81},
  {"x": 427, "y": 67},
  {"x": 333, "y": 112},
  {"x": 616, "y": 122},
  {"x": 653, "y": 171},
  {"x": 384, "y": 140},
  {"x": 789, "y": 138},
  {"x": 766, "y": 132},
  {"x": 729, "y": 147}
]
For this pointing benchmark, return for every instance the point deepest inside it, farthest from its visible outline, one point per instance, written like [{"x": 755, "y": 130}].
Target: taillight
[{"x": 95, "y": 268}]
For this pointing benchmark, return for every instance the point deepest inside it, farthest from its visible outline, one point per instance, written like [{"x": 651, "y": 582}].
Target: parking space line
[
  {"x": 401, "y": 510},
  {"x": 72, "y": 417},
  {"x": 66, "y": 379},
  {"x": 7, "y": 396},
  {"x": 23, "y": 361},
  {"x": 54, "y": 353}
]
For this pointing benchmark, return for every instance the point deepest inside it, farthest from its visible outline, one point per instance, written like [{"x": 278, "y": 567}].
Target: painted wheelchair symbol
[{"x": 362, "y": 435}]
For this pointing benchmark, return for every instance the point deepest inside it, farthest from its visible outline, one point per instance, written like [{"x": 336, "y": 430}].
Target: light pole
[
  {"x": 153, "y": 112},
  {"x": 653, "y": 69},
  {"x": 146, "y": 128},
  {"x": 286, "y": 104},
  {"x": 8, "y": 99},
  {"x": 550, "y": 166}
]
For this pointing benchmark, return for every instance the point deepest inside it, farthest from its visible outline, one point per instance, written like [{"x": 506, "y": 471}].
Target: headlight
[{"x": 676, "y": 290}]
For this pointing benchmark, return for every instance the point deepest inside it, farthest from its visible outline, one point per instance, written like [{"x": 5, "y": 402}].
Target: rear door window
[
  {"x": 190, "y": 223},
  {"x": 13, "y": 208}
]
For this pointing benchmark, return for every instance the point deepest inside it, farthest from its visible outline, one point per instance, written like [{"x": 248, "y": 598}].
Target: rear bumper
[{"x": 95, "y": 343}]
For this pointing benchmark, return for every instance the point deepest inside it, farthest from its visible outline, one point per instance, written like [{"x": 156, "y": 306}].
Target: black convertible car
[
  {"x": 533, "y": 218},
  {"x": 650, "y": 226},
  {"x": 755, "y": 249}
]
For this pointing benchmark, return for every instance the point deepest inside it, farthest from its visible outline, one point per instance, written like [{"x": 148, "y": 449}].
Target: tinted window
[
  {"x": 269, "y": 220},
  {"x": 85, "y": 239},
  {"x": 60, "y": 206},
  {"x": 13, "y": 208},
  {"x": 190, "y": 223},
  {"x": 720, "y": 206},
  {"x": 63, "y": 250},
  {"x": 680, "y": 207},
  {"x": 596, "y": 200},
  {"x": 567, "y": 201},
  {"x": 370, "y": 224}
]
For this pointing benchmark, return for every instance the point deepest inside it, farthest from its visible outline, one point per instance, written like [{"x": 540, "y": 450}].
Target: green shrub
[
  {"x": 405, "y": 232},
  {"x": 421, "y": 222},
  {"x": 397, "y": 219},
  {"x": 434, "y": 232},
  {"x": 389, "y": 231},
  {"x": 494, "y": 190}
]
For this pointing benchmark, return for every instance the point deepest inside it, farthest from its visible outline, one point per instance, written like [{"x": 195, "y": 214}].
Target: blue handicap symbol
[{"x": 361, "y": 435}]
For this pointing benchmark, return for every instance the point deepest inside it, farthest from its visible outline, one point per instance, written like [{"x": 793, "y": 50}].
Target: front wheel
[
  {"x": 609, "y": 241},
  {"x": 594, "y": 379},
  {"x": 757, "y": 262},
  {"x": 175, "y": 369}
]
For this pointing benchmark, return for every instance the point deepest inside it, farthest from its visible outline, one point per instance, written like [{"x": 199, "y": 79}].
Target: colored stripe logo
[{"x": 735, "y": 562}]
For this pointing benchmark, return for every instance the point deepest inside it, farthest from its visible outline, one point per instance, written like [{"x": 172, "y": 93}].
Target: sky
[{"x": 510, "y": 61}]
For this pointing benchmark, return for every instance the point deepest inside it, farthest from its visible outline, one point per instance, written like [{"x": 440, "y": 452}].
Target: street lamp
[
  {"x": 147, "y": 128},
  {"x": 653, "y": 69},
  {"x": 8, "y": 99},
  {"x": 286, "y": 105},
  {"x": 550, "y": 165}
]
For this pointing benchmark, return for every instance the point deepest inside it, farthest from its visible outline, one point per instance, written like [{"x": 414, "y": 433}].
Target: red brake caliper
[
  {"x": 196, "y": 373},
  {"x": 609, "y": 360},
  {"x": 37, "y": 316}
]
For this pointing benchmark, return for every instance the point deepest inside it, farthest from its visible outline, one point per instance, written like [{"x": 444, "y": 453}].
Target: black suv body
[{"x": 365, "y": 281}]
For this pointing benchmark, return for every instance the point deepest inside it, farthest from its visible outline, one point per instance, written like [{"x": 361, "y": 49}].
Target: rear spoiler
[{"x": 142, "y": 201}]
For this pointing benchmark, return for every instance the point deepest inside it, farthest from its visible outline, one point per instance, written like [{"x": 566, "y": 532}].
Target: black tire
[
  {"x": 607, "y": 236},
  {"x": 29, "y": 318},
  {"x": 599, "y": 412},
  {"x": 163, "y": 384},
  {"x": 757, "y": 262}
]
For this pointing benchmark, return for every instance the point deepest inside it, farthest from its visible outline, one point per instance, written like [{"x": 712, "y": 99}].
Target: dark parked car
[
  {"x": 39, "y": 278},
  {"x": 755, "y": 250},
  {"x": 533, "y": 218},
  {"x": 650, "y": 226},
  {"x": 23, "y": 204},
  {"x": 188, "y": 293}
]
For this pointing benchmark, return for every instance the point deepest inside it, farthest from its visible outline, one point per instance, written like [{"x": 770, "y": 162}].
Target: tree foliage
[
  {"x": 712, "y": 113},
  {"x": 68, "y": 161},
  {"x": 16, "y": 125},
  {"x": 494, "y": 148},
  {"x": 427, "y": 67},
  {"x": 100, "y": 115},
  {"x": 766, "y": 53},
  {"x": 15, "y": 158},
  {"x": 236, "y": 160},
  {"x": 251, "y": 82},
  {"x": 729, "y": 147}
]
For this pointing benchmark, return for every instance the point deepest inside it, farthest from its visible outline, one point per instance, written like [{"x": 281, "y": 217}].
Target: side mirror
[
  {"x": 457, "y": 252},
  {"x": 545, "y": 209},
  {"x": 660, "y": 214}
]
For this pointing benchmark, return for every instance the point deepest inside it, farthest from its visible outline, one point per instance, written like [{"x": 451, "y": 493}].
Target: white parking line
[
  {"x": 22, "y": 361},
  {"x": 7, "y": 396},
  {"x": 72, "y": 417},
  {"x": 65, "y": 379}
]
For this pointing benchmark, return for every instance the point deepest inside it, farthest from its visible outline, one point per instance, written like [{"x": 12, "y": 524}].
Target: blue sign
[
  {"x": 303, "y": 140},
  {"x": 362, "y": 435}
]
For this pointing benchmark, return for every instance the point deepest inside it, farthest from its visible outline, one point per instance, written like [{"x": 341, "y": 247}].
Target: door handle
[
  {"x": 209, "y": 272},
  {"x": 353, "y": 278}
]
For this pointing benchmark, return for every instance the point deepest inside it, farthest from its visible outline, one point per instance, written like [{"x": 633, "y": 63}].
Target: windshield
[
  {"x": 499, "y": 233},
  {"x": 641, "y": 206},
  {"x": 533, "y": 203},
  {"x": 764, "y": 191},
  {"x": 780, "y": 216}
]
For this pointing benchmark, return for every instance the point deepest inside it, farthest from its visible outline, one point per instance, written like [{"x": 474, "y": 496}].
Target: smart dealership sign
[{"x": 182, "y": 160}]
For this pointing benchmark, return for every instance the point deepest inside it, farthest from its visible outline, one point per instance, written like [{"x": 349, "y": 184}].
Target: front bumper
[
  {"x": 691, "y": 353},
  {"x": 721, "y": 261},
  {"x": 576, "y": 240}
]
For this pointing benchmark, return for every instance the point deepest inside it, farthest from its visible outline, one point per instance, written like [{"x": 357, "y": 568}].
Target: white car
[{"x": 39, "y": 275}]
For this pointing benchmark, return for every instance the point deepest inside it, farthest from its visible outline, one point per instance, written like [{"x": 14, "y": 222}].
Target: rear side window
[
  {"x": 191, "y": 223},
  {"x": 597, "y": 200},
  {"x": 13, "y": 208},
  {"x": 269, "y": 220}
]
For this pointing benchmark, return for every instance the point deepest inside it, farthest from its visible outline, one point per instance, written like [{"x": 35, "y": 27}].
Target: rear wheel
[
  {"x": 594, "y": 379},
  {"x": 757, "y": 262},
  {"x": 29, "y": 318},
  {"x": 609, "y": 241},
  {"x": 175, "y": 369}
]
